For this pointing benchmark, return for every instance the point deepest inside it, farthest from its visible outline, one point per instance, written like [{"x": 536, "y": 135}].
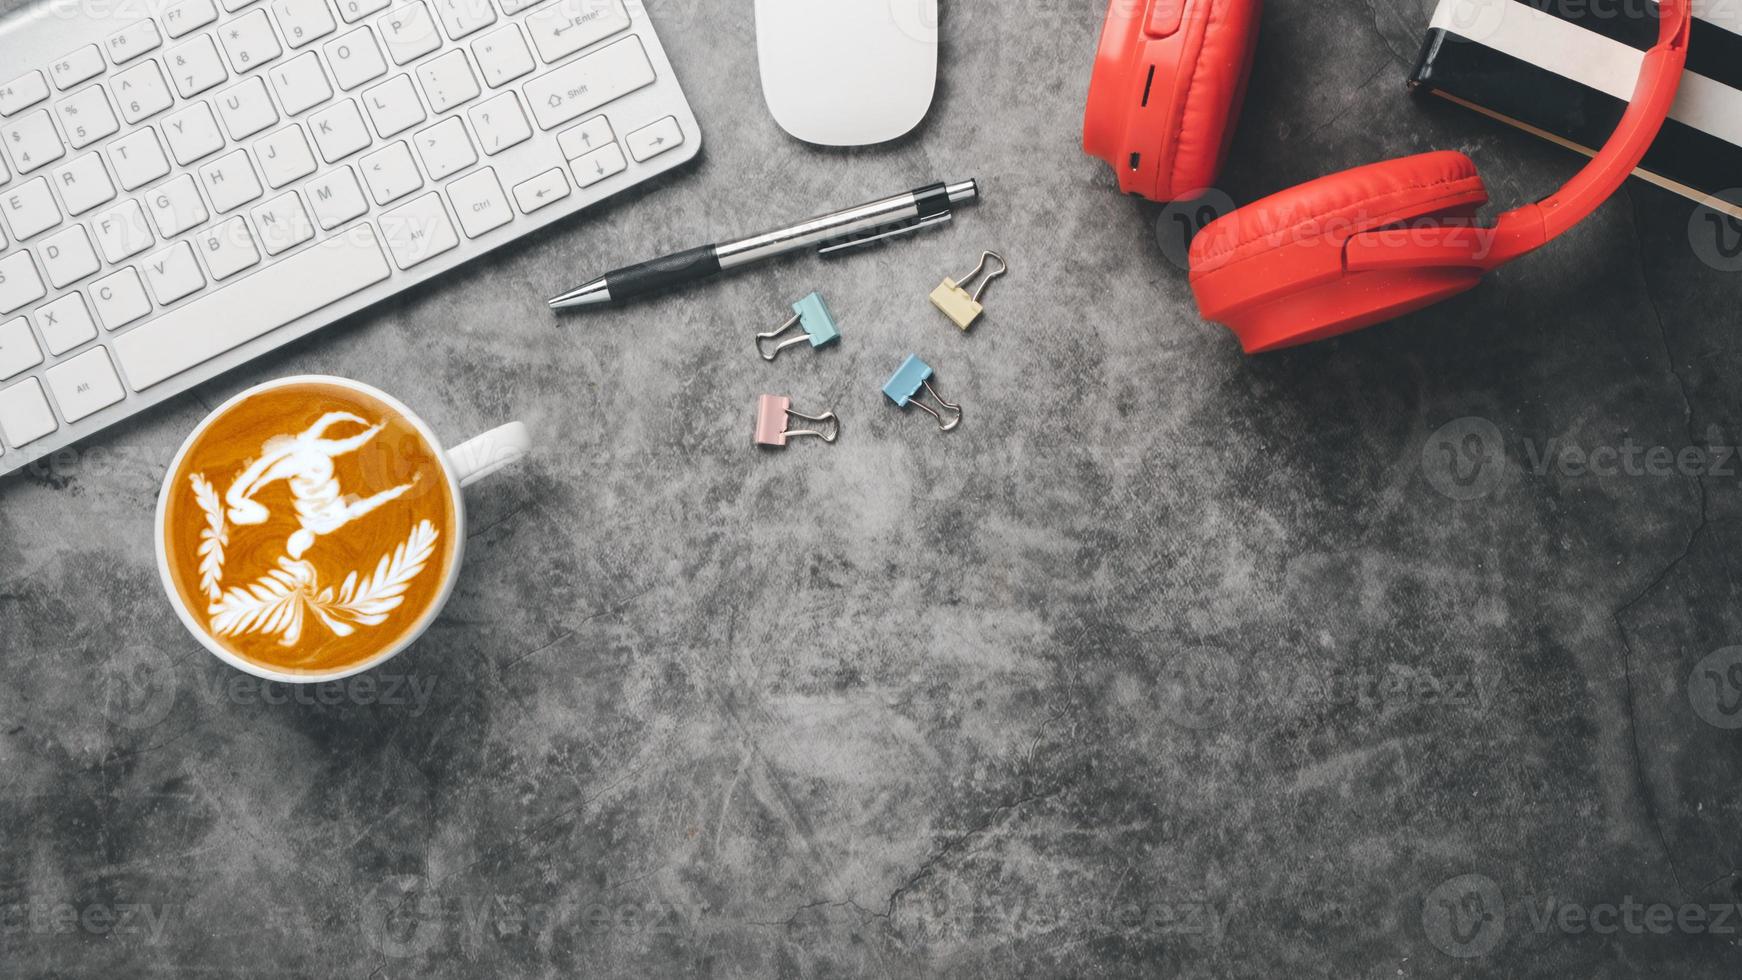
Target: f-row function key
[
  {"x": 76, "y": 66},
  {"x": 22, "y": 92},
  {"x": 132, "y": 41},
  {"x": 185, "y": 16}
]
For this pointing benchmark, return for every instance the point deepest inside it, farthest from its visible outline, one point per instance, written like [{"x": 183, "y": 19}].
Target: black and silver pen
[{"x": 867, "y": 223}]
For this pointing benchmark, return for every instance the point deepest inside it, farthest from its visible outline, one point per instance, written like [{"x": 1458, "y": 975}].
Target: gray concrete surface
[{"x": 1169, "y": 663}]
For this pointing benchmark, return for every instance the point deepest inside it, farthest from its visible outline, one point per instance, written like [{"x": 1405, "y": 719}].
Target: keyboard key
[
  {"x": 84, "y": 184},
  {"x": 249, "y": 41},
  {"x": 65, "y": 324},
  {"x": 300, "y": 83},
  {"x": 76, "y": 66},
  {"x": 339, "y": 131},
  {"x": 227, "y": 247},
  {"x": 480, "y": 203},
  {"x": 588, "y": 83},
  {"x": 464, "y": 17},
  {"x": 68, "y": 256},
  {"x": 18, "y": 349},
  {"x": 86, "y": 117},
  {"x": 336, "y": 198},
  {"x": 303, "y": 21},
  {"x": 418, "y": 232},
  {"x": 140, "y": 92},
  {"x": 231, "y": 6},
  {"x": 19, "y": 283},
  {"x": 230, "y": 181},
  {"x": 503, "y": 55},
  {"x": 562, "y": 28},
  {"x": 176, "y": 207},
  {"x": 22, "y": 92},
  {"x": 185, "y": 16},
  {"x": 132, "y": 41},
  {"x": 122, "y": 231},
  {"x": 578, "y": 141},
  {"x": 196, "y": 66},
  {"x": 284, "y": 156},
  {"x": 355, "y": 58},
  {"x": 499, "y": 123},
  {"x": 445, "y": 148},
  {"x": 606, "y": 161},
  {"x": 192, "y": 133},
  {"x": 138, "y": 159},
  {"x": 252, "y": 307},
  {"x": 390, "y": 173},
  {"x": 541, "y": 191},
  {"x": 447, "y": 80},
  {"x": 85, "y": 385},
  {"x": 24, "y": 413},
  {"x": 352, "y": 11},
  {"x": 393, "y": 105},
  {"x": 30, "y": 209},
  {"x": 283, "y": 223},
  {"x": 650, "y": 141},
  {"x": 173, "y": 273},
  {"x": 408, "y": 32},
  {"x": 246, "y": 108},
  {"x": 32, "y": 141},
  {"x": 120, "y": 299}
]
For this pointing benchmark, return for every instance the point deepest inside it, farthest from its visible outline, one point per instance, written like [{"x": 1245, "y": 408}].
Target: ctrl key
[{"x": 24, "y": 413}]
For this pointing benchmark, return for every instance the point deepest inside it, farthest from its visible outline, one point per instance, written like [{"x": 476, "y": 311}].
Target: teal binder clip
[
  {"x": 814, "y": 316},
  {"x": 903, "y": 389}
]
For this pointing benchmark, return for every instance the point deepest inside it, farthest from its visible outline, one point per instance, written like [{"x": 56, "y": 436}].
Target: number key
[
  {"x": 86, "y": 117},
  {"x": 249, "y": 41},
  {"x": 196, "y": 66},
  {"x": 303, "y": 21},
  {"x": 32, "y": 141},
  {"x": 140, "y": 92}
]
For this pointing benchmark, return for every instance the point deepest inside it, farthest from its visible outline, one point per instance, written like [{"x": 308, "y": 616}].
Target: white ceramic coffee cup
[{"x": 464, "y": 465}]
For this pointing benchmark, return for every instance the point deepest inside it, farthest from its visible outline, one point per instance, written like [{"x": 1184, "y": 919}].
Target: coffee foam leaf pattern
[
  {"x": 214, "y": 537},
  {"x": 279, "y": 602}
]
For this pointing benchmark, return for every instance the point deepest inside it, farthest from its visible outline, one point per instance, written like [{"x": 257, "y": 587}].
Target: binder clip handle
[
  {"x": 818, "y": 321},
  {"x": 772, "y": 413},
  {"x": 992, "y": 266},
  {"x": 903, "y": 387}
]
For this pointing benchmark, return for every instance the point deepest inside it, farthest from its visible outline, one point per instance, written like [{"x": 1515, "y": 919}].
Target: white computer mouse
[{"x": 848, "y": 72}]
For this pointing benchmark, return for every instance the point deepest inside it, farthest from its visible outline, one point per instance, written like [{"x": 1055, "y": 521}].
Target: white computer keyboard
[{"x": 183, "y": 191}]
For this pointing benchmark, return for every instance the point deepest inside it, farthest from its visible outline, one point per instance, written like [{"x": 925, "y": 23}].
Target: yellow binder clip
[{"x": 954, "y": 299}]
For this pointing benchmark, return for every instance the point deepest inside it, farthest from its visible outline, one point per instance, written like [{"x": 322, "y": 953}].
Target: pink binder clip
[{"x": 771, "y": 420}]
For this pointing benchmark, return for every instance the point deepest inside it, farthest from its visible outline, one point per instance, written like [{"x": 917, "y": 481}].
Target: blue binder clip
[
  {"x": 814, "y": 316},
  {"x": 903, "y": 389}
]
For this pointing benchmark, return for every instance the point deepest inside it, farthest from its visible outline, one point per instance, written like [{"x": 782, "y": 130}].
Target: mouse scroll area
[{"x": 848, "y": 72}]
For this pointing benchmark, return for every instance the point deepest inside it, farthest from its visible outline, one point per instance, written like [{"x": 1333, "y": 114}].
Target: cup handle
[{"x": 501, "y": 447}]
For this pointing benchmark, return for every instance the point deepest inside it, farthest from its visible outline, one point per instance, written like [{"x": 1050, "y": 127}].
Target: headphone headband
[{"x": 1532, "y": 226}]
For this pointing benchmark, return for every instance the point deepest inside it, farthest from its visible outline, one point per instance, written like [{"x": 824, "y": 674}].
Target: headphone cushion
[
  {"x": 1212, "y": 78},
  {"x": 1340, "y": 206}
]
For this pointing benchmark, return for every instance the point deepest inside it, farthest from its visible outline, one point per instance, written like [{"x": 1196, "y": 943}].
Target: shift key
[{"x": 586, "y": 84}]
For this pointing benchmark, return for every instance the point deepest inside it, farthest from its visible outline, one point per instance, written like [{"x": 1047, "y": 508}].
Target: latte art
[{"x": 308, "y": 527}]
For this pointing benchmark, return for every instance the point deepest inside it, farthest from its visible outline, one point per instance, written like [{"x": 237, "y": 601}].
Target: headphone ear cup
[
  {"x": 1166, "y": 92},
  {"x": 1212, "y": 89},
  {"x": 1273, "y": 271}
]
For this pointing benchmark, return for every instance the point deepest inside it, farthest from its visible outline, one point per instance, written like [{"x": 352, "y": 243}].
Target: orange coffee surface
[{"x": 310, "y": 528}]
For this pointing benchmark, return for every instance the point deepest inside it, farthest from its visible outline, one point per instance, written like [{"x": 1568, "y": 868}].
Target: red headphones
[{"x": 1345, "y": 251}]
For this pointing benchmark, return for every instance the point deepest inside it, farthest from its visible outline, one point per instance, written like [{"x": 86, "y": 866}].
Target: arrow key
[
  {"x": 604, "y": 162},
  {"x": 650, "y": 141},
  {"x": 541, "y": 191}
]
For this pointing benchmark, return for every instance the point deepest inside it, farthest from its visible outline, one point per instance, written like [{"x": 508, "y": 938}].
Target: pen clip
[{"x": 905, "y": 228}]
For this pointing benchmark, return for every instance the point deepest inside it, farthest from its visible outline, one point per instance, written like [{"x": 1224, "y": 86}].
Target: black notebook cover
[{"x": 1563, "y": 69}]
